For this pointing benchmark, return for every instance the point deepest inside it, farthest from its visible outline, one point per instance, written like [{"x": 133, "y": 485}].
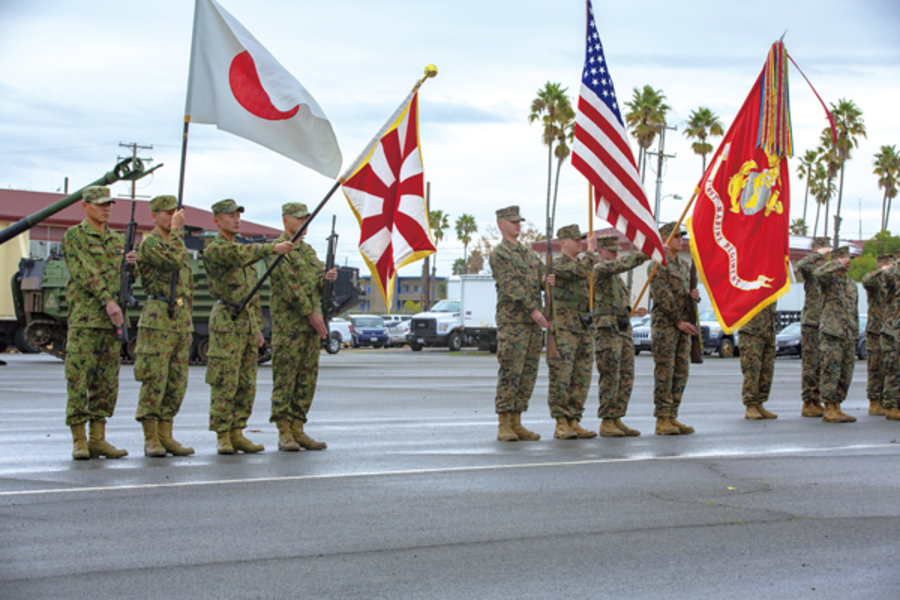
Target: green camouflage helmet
[
  {"x": 842, "y": 252},
  {"x": 96, "y": 194},
  {"x": 570, "y": 232},
  {"x": 226, "y": 206},
  {"x": 294, "y": 209},
  {"x": 884, "y": 259},
  {"x": 821, "y": 242},
  {"x": 510, "y": 213},
  {"x": 163, "y": 203},
  {"x": 608, "y": 242},
  {"x": 666, "y": 230}
]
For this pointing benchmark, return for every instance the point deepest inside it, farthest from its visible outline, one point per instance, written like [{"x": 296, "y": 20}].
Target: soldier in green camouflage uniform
[
  {"x": 671, "y": 331},
  {"x": 874, "y": 284},
  {"x": 93, "y": 256},
  {"x": 570, "y": 373},
  {"x": 890, "y": 341},
  {"x": 517, "y": 274},
  {"x": 233, "y": 340},
  {"x": 613, "y": 342},
  {"x": 758, "y": 363},
  {"x": 809, "y": 328},
  {"x": 838, "y": 331},
  {"x": 297, "y": 331},
  {"x": 164, "y": 342}
]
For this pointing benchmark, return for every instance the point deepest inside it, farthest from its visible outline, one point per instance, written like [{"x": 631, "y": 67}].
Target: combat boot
[
  {"x": 832, "y": 414},
  {"x": 97, "y": 444},
  {"x": 286, "y": 441},
  {"x": 752, "y": 412},
  {"x": 504, "y": 430},
  {"x": 580, "y": 431},
  {"x": 665, "y": 426},
  {"x": 164, "y": 431},
  {"x": 682, "y": 428},
  {"x": 876, "y": 409},
  {"x": 223, "y": 443},
  {"x": 765, "y": 413},
  {"x": 80, "y": 444},
  {"x": 626, "y": 430},
  {"x": 306, "y": 442},
  {"x": 239, "y": 442},
  {"x": 812, "y": 409},
  {"x": 608, "y": 428},
  {"x": 525, "y": 435},
  {"x": 847, "y": 418},
  {"x": 152, "y": 447},
  {"x": 891, "y": 414},
  {"x": 563, "y": 432}
]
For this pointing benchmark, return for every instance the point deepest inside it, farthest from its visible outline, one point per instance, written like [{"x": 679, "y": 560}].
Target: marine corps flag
[{"x": 739, "y": 228}]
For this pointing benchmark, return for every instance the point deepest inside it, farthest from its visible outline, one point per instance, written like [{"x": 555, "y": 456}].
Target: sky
[{"x": 78, "y": 78}]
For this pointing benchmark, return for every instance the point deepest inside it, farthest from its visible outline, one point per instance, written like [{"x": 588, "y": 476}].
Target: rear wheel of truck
[
  {"x": 415, "y": 347},
  {"x": 333, "y": 346},
  {"x": 455, "y": 342}
]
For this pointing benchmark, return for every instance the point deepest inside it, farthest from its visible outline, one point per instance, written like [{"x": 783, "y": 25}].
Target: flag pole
[
  {"x": 669, "y": 239},
  {"x": 591, "y": 228},
  {"x": 184, "y": 142}
]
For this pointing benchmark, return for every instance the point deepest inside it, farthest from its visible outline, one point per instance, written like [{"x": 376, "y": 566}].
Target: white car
[
  {"x": 341, "y": 333},
  {"x": 397, "y": 332},
  {"x": 391, "y": 319}
]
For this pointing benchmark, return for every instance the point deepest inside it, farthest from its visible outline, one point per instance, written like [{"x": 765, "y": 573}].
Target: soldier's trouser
[
  {"x": 757, "y": 366},
  {"x": 232, "y": 375},
  {"x": 672, "y": 361},
  {"x": 92, "y": 372},
  {"x": 570, "y": 374},
  {"x": 890, "y": 349},
  {"x": 161, "y": 365},
  {"x": 608, "y": 356},
  {"x": 874, "y": 367},
  {"x": 295, "y": 369},
  {"x": 809, "y": 377},
  {"x": 626, "y": 373},
  {"x": 519, "y": 355},
  {"x": 837, "y": 356}
]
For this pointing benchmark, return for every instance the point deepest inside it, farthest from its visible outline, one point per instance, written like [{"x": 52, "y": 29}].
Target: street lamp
[{"x": 675, "y": 196}]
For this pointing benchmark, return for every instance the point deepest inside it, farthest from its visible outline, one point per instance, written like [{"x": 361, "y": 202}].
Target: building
[{"x": 405, "y": 289}]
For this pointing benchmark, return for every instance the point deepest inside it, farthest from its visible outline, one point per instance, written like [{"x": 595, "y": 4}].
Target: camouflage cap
[
  {"x": 294, "y": 209},
  {"x": 570, "y": 232},
  {"x": 163, "y": 203},
  {"x": 883, "y": 259},
  {"x": 897, "y": 255},
  {"x": 510, "y": 213},
  {"x": 820, "y": 242},
  {"x": 608, "y": 242},
  {"x": 666, "y": 230},
  {"x": 226, "y": 206},
  {"x": 96, "y": 194},
  {"x": 842, "y": 252}
]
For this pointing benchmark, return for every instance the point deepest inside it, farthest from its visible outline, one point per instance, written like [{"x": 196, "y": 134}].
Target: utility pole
[
  {"x": 661, "y": 156},
  {"x": 134, "y": 150},
  {"x": 426, "y": 282}
]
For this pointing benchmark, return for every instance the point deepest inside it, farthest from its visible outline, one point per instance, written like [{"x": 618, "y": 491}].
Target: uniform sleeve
[
  {"x": 512, "y": 279},
  {"x": 159, "y": 255},
  {"x": 872, "y": 281},
  {"x": 808, "y": 264},
  {"x": 83, "y": 272},
  {"x": 664, "y": 299},
  {"x": 607, "y": 268},
  {"x": 825, "y": 274},
  {"x": 236, "y": 256},
  {"x": 574, "y": 270}
]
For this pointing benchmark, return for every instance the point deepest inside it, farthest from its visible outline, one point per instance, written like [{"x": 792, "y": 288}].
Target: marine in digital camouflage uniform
[
  {"x": 876, "y": 297},
  {"x": 297, "y": 331},
  {"x": 233, "y": 340},
  {"x": 838, "y": 331},
  {"x": 93, "y": 255},
  {"x": 671, "y": 294},
  {"x": 164, "y": 342},
  {"x": 758, "y": 363},
  {"x": 809, "y": 328},
  {"x": 613, "y": 341},
  {"x": 570, "y": 373},
  {"x": 517, "y": 275},
  {"x": 890, "y": 340}
]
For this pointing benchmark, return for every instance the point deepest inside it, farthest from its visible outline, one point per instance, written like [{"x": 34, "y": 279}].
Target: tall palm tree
[
  {"x": 646, "y": 116},
  {"x": 798, "y": 227},
  {"x": 553, "y": 109},
  {"x": 440, "y": 222},
  {"x": 828, "y": 157},
  {"x": 562, "y": 152},
  {"x": 805, "y": 170},
  {"x": 465, "y": 227},
  {"x": 702, "y": 124},
  {"x": 821, "y": 188},
  {"x": 887, "y": 167},
  {"x": 848, "y": 122}
]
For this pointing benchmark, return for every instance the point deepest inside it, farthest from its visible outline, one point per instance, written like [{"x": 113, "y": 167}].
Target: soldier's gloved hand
[
  {"x": 260, "y": 340},
  {"x": 284, "y": 247},
  {"x": 538, "y": 317},
  {"x": 131, "y": 257},
  {"x": 332, "y": 274},
  {"x": 318, "y": 323},
  {"x": 178, "y": 219},
  {"x": 114, "y": 312}
]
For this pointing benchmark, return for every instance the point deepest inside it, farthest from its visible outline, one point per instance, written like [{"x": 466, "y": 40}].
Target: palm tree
[
  {"x": 562, "y": 152},
  {"x": 849, "y": 124},
  {"x": 798, "y": 227},
  {"x": 702, "y": 124},
  {"x": 805, "y": 170},
  {"x": 553, "y": 109},
  {"x": 646, "y": 116},
  {"x": 439, "y": 221},
  {"x": 828, "y": 159},
  {"x": 822, "y": 188},
  {"x": 465, "y": 227},
  {"x": 887, "y": 167}
]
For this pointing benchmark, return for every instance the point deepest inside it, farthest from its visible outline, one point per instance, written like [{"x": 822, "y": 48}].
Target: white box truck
[{"x": 465, "y": 318}]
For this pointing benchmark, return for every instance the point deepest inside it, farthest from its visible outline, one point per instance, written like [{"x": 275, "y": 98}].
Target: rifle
[
  {"x": 552, "y": 350},
  {"x": 329, "y": 306},
  {"x": 126, "y": 279},
  {"x": 696, "y": 341}
]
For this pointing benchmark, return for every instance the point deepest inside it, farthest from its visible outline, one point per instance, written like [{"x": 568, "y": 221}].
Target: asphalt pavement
[{"x": 415, "y": 498}]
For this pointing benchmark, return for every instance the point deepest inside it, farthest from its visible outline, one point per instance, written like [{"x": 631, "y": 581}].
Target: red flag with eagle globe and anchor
[{"x": 739, "y": 231}]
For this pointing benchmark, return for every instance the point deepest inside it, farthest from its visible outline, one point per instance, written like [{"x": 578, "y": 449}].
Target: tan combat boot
[
  {"x": 664, "y": 426},
  {"x": 876, "y": 409},
  {"x": 306, "y": 442},
  {"x": 80, "y": 444},
  {"x": 243, "y": 444},
  {"x": 580, "y": 431},
  {"x": 682, "y": 428},
  {"x": 152, "y": 447},
  {"x": 525, "y": 435},
  {"x": 563, "y": 432},
  {"x": 504, "y": 429},
  {"x": 608, "y": 428},
  {"x": 223, "y": 443},
  {"x": 286, "y": 441},
  {"x": 765, "y": 413},
  {"x": 98, "y": 445},
  {"x": 847, "y": 418},
  {"x": 164, "y": 431},
  {"x": 812, "y": 409},
  {"x": 752, "y": 412},
  {"x": 832, "y": 414},
  {"x": 891, "y": 414},
  {"x": 626, "y": 430}
]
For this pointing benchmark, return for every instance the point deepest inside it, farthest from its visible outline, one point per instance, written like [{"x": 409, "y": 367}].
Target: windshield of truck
[
  {"x": 449, "y": 306},
  {"x": 708, "y": 315},
  {"x": 368, "y": 322}
]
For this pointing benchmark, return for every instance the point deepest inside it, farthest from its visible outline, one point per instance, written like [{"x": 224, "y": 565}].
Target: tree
[
  {"x": 881, "y": 243},
  {"x": 439, "y": 222},
  {"x": 702, "y": 124},
  {"x": 849, "y": 124},
  {"x": 562, "y": 152},
  {"x": 646, "y": 116},
  {"x": 887, "y": 167},
  {"x": 805, "y": 170},
  {"x": 553, "y": 109},
  {"x": 459, "y": 266},
  {"x": 821, "y": 188},
  {"x": 798, "y": 227},
  {"x": 465, "y": 227},
  {"x": 828, "y": 158}
]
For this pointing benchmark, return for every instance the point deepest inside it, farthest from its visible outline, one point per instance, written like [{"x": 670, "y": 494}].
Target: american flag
[{"x": 602, "y": 154}]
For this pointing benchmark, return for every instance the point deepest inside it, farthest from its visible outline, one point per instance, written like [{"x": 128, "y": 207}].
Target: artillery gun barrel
[{"x": 130, "y": 169}]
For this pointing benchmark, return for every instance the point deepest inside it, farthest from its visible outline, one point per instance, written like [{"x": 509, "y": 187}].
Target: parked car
[
  {"x": 340, "y": 334},
  {"x": 640, "y": 321},
  {"x": 368, "y": 330},
  {"x": 788, "y": 341},
  {"x": 716, "y": 340},
  {"x": 397, "y": 332},
  {"x": 391, "y": 319},
  {"x": 861, "y": 351},
  {"x": 641, "y": 336}
]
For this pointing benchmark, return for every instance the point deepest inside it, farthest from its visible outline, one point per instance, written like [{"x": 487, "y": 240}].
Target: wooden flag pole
[{"x": 591, "y": 228}]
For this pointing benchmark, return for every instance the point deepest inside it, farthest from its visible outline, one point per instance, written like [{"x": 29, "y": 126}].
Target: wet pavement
[{"x": 414, "y": 497}]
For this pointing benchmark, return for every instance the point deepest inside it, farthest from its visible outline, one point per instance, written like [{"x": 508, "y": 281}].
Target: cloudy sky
[{"x": 77, "y": 78}]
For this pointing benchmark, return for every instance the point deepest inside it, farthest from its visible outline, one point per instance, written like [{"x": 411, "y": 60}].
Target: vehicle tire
[
  {"x": 353, "y": 343},
  {"x": 861, "y": 350},
  {"x": 455, "y": 342},
  {"x": 22, "y": 344},
  {"x": 637, "y": 351},
  {"x": 726, "y": 348},
  {"x": 203, "y": 350},
  {"x": 415, "y": 347},
  {"x": 334, "y": 344}
]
